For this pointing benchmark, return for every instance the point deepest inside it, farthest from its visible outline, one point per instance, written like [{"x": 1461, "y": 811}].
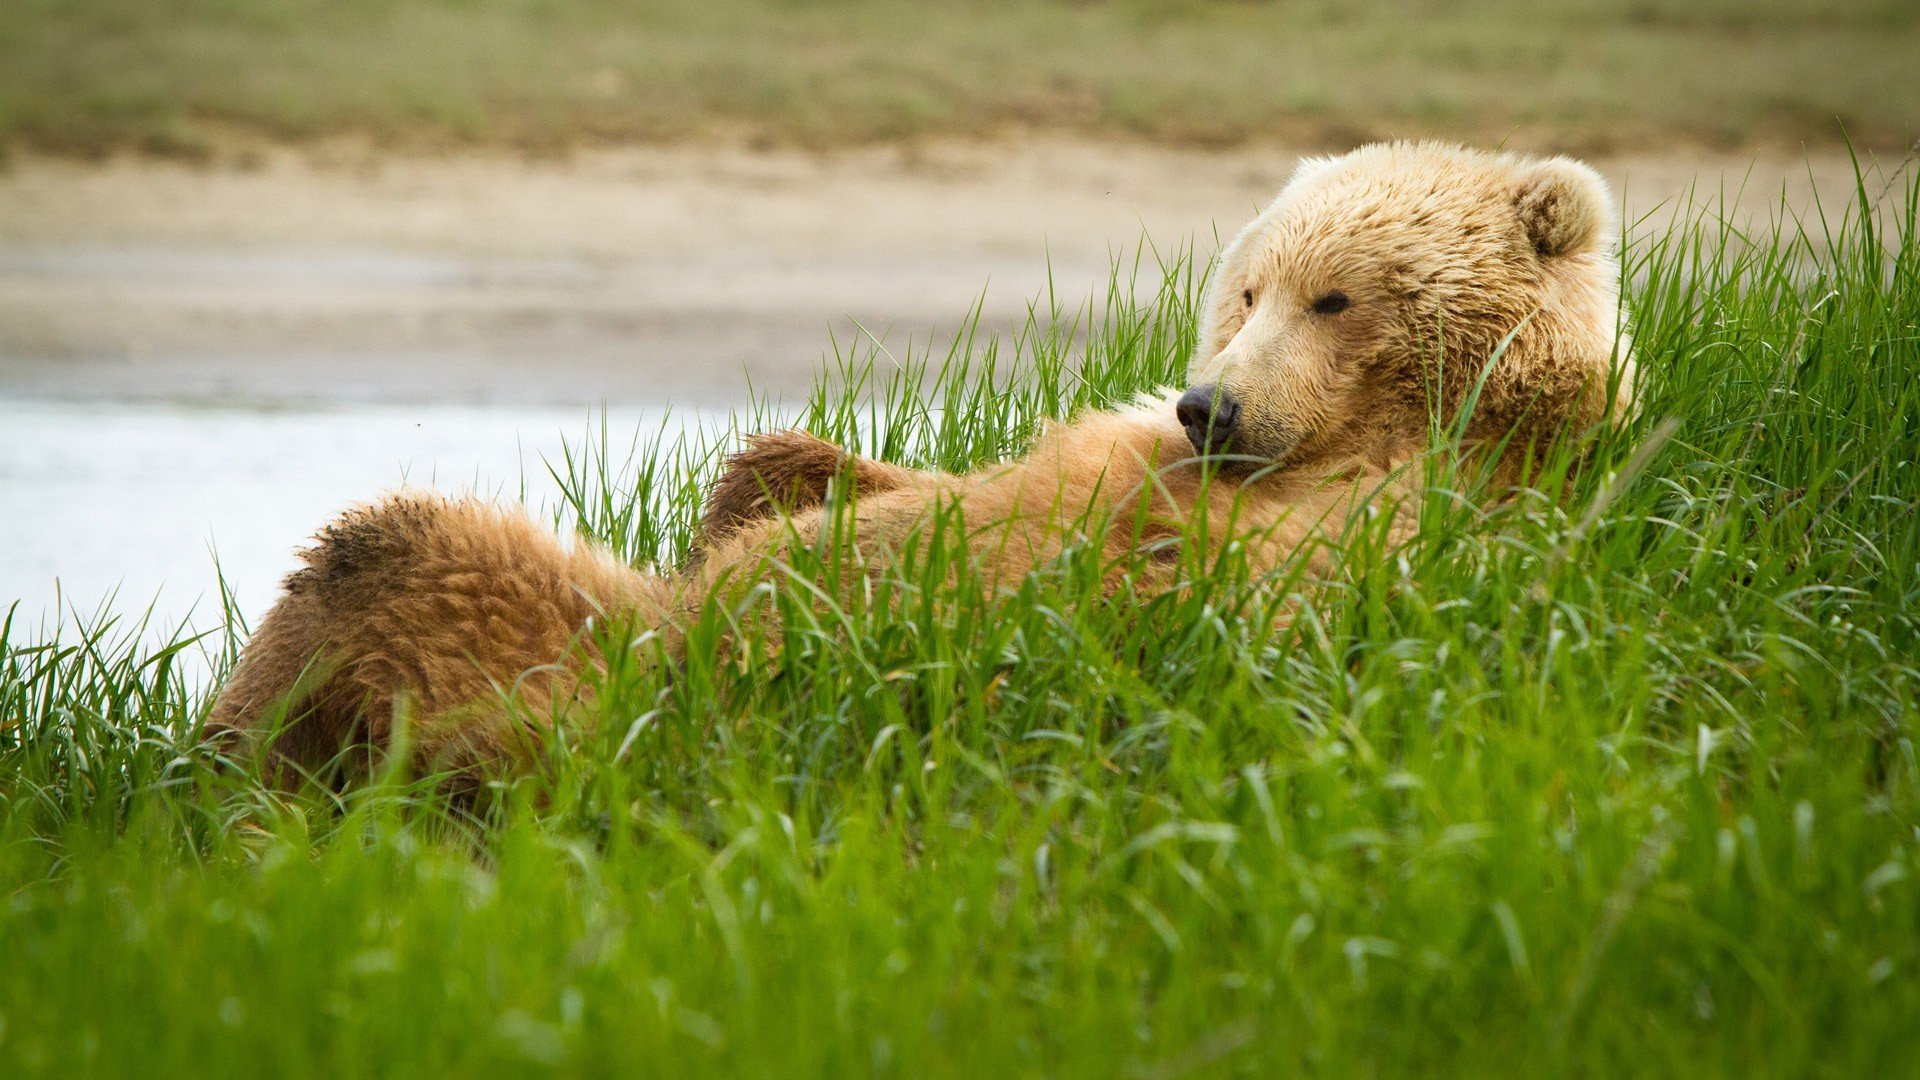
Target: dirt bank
[{"x": 629, "y": 276}]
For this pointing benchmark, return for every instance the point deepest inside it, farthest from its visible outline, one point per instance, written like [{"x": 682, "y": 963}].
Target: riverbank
[{"x": 641, "y": 275}]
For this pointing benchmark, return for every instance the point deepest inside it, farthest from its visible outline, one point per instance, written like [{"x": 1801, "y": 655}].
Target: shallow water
[{"x": 132, "y": 504}]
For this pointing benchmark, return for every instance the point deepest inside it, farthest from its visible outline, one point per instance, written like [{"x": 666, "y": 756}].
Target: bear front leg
[{"x": 786, "y": 472}]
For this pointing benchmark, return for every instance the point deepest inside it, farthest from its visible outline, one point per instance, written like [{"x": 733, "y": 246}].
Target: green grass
[
  {"x": 185, "y": 76},
  {"x": 1618, "y": 779}
]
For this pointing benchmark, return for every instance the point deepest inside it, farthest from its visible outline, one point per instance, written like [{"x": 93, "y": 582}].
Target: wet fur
[{"x": 429, "y": 607}]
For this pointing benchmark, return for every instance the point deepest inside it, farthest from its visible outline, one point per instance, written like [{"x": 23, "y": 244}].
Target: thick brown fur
[
  {"x": 426, "y": 605},
  {"x": 1471, "y": 277},
  {"x": 788, "y": 471}
]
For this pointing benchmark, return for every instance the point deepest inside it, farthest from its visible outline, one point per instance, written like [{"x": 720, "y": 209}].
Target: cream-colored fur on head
[
  {"x": 1451, "y": 264},
  {"x": 1377, "y": 286}
]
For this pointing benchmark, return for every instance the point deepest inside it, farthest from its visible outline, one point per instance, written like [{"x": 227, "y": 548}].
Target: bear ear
[{"x": 1564, "y": 205}]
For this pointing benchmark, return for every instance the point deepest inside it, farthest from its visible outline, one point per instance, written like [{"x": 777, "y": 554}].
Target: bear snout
[{"x": 1209, "y": 413}]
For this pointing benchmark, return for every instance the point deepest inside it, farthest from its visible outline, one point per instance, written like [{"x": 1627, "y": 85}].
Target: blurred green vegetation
[{"x": 185, "y": 76}]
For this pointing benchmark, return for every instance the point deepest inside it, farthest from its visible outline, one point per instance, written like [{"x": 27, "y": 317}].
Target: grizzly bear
[{"x": 1387, "y": 297}]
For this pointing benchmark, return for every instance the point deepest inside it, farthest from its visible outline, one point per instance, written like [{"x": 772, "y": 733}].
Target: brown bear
[{"x": 1383, "y": 294}]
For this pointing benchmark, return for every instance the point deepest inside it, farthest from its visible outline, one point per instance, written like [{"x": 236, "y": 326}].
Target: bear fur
[
  {"x": 1381, "y": 289},
  {"x": 1435, "y": 256}
]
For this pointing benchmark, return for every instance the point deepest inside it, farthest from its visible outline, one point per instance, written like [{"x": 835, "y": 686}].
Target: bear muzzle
[{"x": 1209, "y": 413}]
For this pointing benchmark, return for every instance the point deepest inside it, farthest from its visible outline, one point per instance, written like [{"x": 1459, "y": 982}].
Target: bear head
[{"x": 1385, "y": 289}]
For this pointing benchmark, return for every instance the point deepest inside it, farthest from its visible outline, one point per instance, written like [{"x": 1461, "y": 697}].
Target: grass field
[
  {"x": 1618, "y": 779},
  {"x": 187, "y": 76}
]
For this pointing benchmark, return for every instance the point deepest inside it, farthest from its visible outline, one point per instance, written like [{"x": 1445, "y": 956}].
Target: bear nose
[{"x": 1209, "y": 414}]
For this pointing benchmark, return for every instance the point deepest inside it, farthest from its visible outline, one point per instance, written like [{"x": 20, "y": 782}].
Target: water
[{"x": 132, "y": 504}]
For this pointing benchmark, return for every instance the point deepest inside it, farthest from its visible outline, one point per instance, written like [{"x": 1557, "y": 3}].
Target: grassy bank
[
  {"x": 90, "y": 76},
  {"x": 1621, "y": 781}
]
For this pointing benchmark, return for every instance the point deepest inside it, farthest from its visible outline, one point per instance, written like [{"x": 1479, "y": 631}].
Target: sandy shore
[{"x": 628, "y": 276}]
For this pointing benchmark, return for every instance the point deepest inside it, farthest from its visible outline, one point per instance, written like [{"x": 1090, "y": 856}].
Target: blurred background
[{"x": 263, "y": 258}]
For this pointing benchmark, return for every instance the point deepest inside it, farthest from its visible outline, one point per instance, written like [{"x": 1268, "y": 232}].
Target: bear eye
[
  {"x": 1332, "y": 304},
  {"x": 1247, "y": 297}
]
